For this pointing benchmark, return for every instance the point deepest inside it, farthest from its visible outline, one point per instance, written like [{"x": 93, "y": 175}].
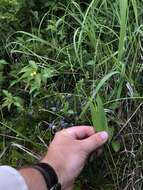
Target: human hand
[{"x": 69, "y": 151}]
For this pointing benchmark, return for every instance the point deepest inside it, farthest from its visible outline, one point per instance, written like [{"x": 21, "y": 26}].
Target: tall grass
[
  {"x": 95, "y": 52},
  {"x": 123, "y": 27}
]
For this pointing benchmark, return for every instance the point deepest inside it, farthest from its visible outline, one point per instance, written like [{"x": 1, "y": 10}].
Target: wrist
[
  {"x": 33, "y": 179},
  {"x": 56, "y": 169},
  {"x": 62, "y": 178}
]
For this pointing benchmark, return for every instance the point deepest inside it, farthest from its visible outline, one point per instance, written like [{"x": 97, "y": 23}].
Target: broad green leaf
[{"x": 98, "y": 115}]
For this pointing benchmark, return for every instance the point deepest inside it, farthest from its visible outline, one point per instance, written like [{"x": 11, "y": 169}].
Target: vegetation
[{"x": 72, "y": 62}]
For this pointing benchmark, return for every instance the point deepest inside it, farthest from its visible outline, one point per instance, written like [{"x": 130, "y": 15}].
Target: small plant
[
  {"x": 34, "y": 76},
  {"x": 99, "y": 120},
  {"x": 9, "y": 100},
  {"x": 74, "y": 62}
]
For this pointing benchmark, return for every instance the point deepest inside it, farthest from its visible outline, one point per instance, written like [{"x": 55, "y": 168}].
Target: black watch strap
[{"x": 49, "y": 175}]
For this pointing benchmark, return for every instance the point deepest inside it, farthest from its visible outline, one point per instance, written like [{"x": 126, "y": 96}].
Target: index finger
[{"x": 80, "y": 132}]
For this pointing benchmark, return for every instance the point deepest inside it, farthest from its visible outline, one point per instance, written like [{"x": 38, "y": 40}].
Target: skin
[{"x": 67, "y": 154}]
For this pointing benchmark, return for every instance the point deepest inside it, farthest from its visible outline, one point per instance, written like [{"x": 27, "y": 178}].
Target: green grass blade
[
  {"x": 18, "y": 133},
  {"x": 134, "y": 4},
  {"x": 123, "y": 27},
  {"x": 99, "y": 86}
]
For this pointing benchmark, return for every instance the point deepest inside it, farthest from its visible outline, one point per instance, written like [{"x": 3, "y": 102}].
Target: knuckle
[{"x": 58, "y": 134}]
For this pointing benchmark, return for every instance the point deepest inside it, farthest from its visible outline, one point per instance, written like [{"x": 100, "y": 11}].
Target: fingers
[
  {"x": 94, "y": 142},
  {"x": 79, "y": 132}
]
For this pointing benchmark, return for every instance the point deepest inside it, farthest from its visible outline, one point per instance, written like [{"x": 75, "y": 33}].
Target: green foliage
[
  {"x": 34, "y": 75},
  {"x": 10, "y": 100},
  {"x": 9, "y": 9},
  {"x": 99, "y": 121},
  {"x": 56, "y": 57},
  {"x": 2, "y": 64}
]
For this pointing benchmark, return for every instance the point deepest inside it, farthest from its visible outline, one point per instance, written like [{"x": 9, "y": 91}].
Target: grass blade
[
  {"x": 101, "y": 83},
  {"x": 123, "y": 27}
]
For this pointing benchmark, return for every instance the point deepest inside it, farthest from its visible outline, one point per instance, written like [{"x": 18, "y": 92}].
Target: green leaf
[
  {"x": 116, "y": 146},
  {"x": 47, "y": 73},
  {"x": 38, "y": 81},
  {"x": 96, "y": 91},
  {"x": 2, "y": 63},
  {"x": 33, "y": 65},
  {"x": 91, "y": 63},
  {"x": 98, "y": 115},
  {"x": 18, "y": 102},
  {"x": 7, "y": 104},
  {"x": 8, "y": 94}
]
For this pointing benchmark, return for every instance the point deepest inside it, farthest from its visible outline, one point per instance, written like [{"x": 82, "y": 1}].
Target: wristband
[{"x": 49, "y": 175}]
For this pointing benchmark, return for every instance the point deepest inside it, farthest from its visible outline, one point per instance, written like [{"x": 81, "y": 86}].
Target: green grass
[{"x": 79, "y": 53}]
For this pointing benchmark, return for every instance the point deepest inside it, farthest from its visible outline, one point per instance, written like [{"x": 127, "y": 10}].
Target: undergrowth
[{"x": 65, "y": 63}]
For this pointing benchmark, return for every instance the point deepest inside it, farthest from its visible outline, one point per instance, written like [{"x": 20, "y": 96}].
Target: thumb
[{"x": 95, "y": 141}]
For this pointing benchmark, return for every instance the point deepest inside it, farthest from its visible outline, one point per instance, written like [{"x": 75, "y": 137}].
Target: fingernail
[{"x": 104, "y": 135}]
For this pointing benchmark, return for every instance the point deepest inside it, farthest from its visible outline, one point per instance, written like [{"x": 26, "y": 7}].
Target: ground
[{"x": 65, "y": 63}]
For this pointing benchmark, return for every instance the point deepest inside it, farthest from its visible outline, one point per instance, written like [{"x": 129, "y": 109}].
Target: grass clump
[{"x": 73, "y": 60}]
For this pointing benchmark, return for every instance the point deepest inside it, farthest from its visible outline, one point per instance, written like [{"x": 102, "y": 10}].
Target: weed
[{"x": 68, "y": 63}]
